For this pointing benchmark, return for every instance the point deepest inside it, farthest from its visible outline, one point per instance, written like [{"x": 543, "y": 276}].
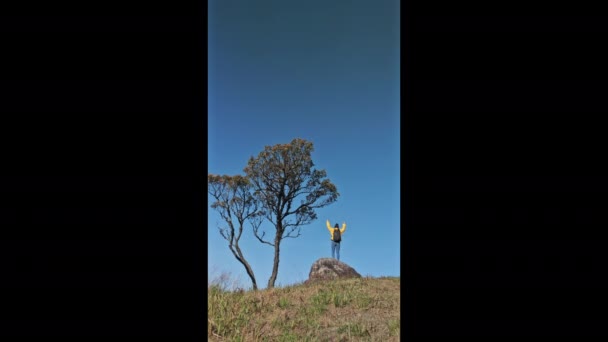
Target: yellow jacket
[{"x": 331, "y": 230}]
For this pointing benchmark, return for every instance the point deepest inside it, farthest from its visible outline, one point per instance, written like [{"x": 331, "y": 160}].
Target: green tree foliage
[
  {"x": 236, "y": 205},
  {"x": 289, "y": 189}
]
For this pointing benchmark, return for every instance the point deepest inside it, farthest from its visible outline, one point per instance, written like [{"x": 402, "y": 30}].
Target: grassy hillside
[{"x": 365, "y": 309}]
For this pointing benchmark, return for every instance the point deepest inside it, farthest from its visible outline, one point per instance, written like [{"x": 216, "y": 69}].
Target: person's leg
[
  {"x": 338, "y": 250},
  {"x": 333, "y": 249}
]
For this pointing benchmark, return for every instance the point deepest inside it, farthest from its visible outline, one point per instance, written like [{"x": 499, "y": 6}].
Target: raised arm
[
  {"x": 343, "y": 228},
  {"x": 328, "y": 226}
]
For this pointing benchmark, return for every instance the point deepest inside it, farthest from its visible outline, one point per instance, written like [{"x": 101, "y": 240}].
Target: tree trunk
[
  {"x": 275, "y": 266},
  {"x": 247, "y": 268},
  {"x": 250, "y": 274},
  {"x": 236, "y": 251}
]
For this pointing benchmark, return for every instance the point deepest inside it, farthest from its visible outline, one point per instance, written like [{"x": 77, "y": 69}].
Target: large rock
[{"x": 329, "y": 269}]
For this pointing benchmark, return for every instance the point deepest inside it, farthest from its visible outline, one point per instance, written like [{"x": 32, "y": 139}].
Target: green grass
[{"x": 339, "y": 310}]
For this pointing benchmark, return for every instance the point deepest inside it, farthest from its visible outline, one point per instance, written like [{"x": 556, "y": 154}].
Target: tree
[
  {"x": 234, "y": 200},
  {"x": 281, "y": 175}
]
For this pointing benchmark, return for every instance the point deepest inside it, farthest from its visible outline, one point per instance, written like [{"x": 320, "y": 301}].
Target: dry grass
[{"x": 365, "y": 309}]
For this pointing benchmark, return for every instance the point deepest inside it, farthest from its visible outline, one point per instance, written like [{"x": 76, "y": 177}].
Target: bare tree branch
[
  {"x": 291, "y": 231},
  {"x": 261, "y": 238}
]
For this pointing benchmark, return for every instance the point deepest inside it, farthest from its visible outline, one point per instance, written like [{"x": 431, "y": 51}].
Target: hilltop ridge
[{"x": 357, "y": 309}]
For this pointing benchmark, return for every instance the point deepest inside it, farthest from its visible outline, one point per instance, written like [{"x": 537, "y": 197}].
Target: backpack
[{"x": 337, "y": 235}]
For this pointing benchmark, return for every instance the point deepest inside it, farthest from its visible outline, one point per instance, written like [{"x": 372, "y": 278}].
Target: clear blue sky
[{"x": 328, "y": 72}]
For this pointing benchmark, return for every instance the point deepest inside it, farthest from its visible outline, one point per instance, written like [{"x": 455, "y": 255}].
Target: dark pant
[{"x": 335, "y": 250}]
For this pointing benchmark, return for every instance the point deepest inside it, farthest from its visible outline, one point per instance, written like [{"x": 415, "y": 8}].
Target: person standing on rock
[{"x": 336, "y": 237}]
